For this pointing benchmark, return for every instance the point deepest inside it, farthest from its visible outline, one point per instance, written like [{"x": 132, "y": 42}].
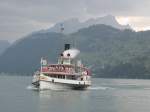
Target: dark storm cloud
[{"x": 19, "y": 17}]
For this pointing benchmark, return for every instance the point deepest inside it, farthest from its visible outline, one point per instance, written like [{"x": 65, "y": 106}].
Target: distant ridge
[
  {"x": 4, "y": 44},
  {"x": 73, "y": 25}
]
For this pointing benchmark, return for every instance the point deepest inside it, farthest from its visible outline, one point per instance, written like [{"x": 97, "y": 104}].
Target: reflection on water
[
  {"x": 66, "y": 101},
  {"x": 105, "y": 95}
]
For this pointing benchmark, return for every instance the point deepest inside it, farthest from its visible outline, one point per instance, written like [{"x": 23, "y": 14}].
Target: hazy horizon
[{"x": 19, "y": 18}]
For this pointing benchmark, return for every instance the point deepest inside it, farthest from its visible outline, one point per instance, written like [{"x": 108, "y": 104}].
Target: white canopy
[{"x": 72, "y": 52}]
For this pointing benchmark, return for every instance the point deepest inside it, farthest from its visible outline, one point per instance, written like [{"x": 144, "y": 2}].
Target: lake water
[{"x": 105, "y": 95}]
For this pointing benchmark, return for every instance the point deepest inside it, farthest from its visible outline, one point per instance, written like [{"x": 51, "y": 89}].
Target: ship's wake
[
  {"x": 99, "y": 88},
  {"x": 30, "y": 87}
]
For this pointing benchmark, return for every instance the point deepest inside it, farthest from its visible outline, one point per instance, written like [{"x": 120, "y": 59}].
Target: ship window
[
  {"x": 60, "y": 76},
  {"x": 52, "y": 80},
  {"x": 73, "y": 77},
  {"x": 66, "y": 61},
  {"x": 55, "y": 76}
]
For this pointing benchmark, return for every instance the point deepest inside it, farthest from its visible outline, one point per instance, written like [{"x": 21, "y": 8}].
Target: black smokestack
[{"x": 67, "y": 46}]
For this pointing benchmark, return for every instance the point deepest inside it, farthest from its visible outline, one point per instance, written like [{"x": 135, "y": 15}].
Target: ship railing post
[{"x": 41, "y": 63}]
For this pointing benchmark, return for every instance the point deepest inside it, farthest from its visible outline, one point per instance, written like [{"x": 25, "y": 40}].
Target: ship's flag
[{"x": 43, "y": 62}]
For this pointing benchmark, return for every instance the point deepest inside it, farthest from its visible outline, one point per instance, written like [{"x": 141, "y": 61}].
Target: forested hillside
[{"x": 109, "y": 52}]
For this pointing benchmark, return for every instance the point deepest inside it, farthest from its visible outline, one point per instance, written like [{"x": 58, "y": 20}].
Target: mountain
[
  {"x": 24, "y": 55},
  {"x": 108, "y": 51},
  {"x": 73, "y": 25},
  {"x": 115, "y": 53},
  {"x": 4, "y": 44}
]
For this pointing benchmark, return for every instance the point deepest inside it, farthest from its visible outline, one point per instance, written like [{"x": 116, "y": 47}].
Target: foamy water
[
  {"x": 30, "y": 87},
  {"x": 99, "y": 88}
]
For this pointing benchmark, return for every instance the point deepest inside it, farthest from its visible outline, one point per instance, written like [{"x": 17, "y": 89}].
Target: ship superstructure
[{"x": 68, "y": 73}]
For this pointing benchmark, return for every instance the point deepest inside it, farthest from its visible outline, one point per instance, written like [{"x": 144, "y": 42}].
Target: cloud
[
  {"x": 20, "y": 17},
  {"x": 137, "y": 22},
  {"x": 118, "y": 7},
  {"x": 43, "y": 10}
]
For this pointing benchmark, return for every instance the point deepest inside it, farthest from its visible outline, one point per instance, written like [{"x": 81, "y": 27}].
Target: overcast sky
[{"x": 21, "y": 17}]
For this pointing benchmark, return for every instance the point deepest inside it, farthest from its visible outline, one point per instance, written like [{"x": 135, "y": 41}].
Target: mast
[{"x": 62, "y": 28}]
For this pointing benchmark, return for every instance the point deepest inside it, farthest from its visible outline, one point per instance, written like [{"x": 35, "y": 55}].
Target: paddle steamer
[{"x": 68, "y": 73}]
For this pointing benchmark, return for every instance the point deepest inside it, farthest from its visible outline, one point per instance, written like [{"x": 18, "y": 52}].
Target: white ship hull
[{"x": 60, "y": 84}]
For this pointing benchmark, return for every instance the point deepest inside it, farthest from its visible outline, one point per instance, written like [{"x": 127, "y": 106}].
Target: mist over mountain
[
  {"x": 108, "y": 51},
  {"x": 4, "y": 44},
  {"x": 73, "y": 25},
  {"x": 24, "y": 55}
]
